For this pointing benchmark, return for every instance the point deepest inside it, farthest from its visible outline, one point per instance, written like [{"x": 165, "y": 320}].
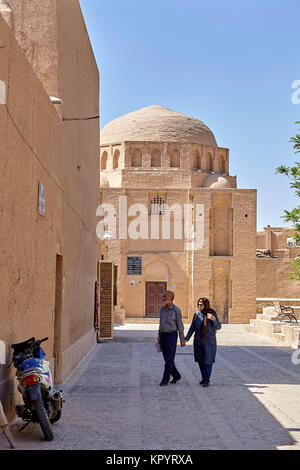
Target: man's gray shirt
[{"x": 171, "y": 320}]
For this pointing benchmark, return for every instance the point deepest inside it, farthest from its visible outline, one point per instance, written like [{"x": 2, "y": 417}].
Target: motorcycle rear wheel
[{"x": 43, "y": 420}]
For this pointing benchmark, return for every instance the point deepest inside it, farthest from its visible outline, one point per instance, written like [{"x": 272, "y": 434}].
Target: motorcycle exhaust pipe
[{"x": 57, "y": 400}]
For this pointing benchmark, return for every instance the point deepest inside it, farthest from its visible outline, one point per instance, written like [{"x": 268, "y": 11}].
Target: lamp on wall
[
  {"x": 55, "y": 100},
  {"x": 107, "y": 235}
]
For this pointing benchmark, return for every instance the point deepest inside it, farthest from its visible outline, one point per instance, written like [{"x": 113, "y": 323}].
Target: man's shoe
[
  {"x": 174, "y": 381},
  {"x": 162, "y": 384}
]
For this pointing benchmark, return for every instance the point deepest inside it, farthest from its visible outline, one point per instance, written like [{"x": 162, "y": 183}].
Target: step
[
  {"x": 269, "y": 309},
  {"x": 250, "y": 328},
  {"x": 279, "y": 337},
  {"x": 265, "y": 316}
]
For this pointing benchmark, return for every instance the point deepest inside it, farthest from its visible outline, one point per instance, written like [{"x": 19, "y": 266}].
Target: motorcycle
[{"x": 42, "y": 404}]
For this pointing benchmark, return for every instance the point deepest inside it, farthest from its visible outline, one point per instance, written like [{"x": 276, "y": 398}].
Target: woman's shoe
[
  {"x": 163, "y": 384},
  {"x": 205, "y": 384},
  {"x": 202, "y": 382}
]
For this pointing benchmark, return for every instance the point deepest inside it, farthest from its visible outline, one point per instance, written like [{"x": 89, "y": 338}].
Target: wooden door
[{"x": 154, "y": 293}]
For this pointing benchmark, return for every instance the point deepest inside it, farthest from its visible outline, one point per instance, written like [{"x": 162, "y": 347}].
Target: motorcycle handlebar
[{"x": 39, "y": 341}]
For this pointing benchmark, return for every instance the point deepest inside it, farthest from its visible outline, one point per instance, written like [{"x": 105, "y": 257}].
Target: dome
[
  {"x": 157, "y": 124},
  {"x": 216, "y": 181},
  {"x": 103, "y": 181}
]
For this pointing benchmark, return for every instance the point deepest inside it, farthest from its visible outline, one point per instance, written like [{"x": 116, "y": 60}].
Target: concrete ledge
[
  {"x": 283, "y": 333},
  {"x": 268, "y": 302},
  {"x": 268, "y": 299},
  {"x": 291, "y": 335}
]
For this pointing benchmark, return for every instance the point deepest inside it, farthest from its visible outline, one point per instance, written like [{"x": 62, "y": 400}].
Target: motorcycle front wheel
[
  {"x": 56, "y": 417},
  {"x": 43, "y": 420}
]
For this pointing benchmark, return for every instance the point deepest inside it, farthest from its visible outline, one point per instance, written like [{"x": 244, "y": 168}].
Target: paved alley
[{"x": 113, "y": 399}]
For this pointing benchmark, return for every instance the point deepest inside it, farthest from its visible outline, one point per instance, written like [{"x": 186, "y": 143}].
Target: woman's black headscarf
[{"x": 204, "y": 312}]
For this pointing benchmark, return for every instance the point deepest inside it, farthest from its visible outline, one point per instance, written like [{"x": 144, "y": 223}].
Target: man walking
[{"x": 170, "y": 324}]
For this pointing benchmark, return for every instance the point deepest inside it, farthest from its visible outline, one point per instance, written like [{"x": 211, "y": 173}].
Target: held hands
[{"x": 183, "y": 343}]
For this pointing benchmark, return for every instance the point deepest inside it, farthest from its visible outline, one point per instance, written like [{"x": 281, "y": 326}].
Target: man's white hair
[{"x": 171, "y": 293}]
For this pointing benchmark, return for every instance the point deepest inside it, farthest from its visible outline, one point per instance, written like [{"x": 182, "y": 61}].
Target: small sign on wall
[
  {"x": 41, "y": 200},
  {"x": 2, "y": 92},
  {"x": 134, "y": 265}
]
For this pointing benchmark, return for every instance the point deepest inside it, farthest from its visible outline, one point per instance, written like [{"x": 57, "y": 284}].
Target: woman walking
[{"x": 204, "y": 325}]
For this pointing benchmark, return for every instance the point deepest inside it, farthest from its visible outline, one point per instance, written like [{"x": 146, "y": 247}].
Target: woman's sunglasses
[{"x": 200, "y": 303}]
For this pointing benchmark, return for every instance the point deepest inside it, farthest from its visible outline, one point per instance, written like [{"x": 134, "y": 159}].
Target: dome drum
[{"x": 165, "y": 155}]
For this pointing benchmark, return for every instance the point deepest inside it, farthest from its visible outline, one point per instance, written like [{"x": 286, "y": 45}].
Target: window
[
  {"x": 157, "y": 205},
  {"x": 197, "y": 160},
  {"x": 136, "y": 160},
  {"x": 155, "y": 158},
  {"x": 210, "y": 162},
  {"x": 222, "y": 164},
  {"x": 116, "y": 159},
  {"x": 104, "y": 161},
  {"x": 175, "y": 159}
]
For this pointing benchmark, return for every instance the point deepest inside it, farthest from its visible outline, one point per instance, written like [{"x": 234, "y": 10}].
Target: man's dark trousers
[{"x": 168, "y": 342}]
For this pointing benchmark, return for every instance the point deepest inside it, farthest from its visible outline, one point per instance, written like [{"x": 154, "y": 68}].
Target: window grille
[{"x": 157, "y": 205}]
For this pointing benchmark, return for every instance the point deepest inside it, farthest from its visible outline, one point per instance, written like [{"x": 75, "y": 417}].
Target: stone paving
[{"x": 113, "y": 399}]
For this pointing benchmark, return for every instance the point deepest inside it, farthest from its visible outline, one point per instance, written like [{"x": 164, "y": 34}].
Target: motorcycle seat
[{"x": 19, "y": 347}]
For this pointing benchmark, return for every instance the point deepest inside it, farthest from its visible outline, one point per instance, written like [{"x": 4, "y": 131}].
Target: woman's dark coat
[{"x": 204, "y": 349}]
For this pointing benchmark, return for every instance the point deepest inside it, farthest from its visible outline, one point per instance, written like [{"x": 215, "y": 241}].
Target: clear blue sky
[{"x": 230, "y": 63}]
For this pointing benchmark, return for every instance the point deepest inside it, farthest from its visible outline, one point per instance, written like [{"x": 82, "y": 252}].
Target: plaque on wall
[
  {"x": 134, "y": 265},
  {"x": 41, "y": 200}
]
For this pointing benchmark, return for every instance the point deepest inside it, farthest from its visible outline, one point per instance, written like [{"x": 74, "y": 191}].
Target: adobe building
[
  {"x": 275, "y": 251},
  {"x": 157, "y": 158},
  {"x": 49, "y": 162}
]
